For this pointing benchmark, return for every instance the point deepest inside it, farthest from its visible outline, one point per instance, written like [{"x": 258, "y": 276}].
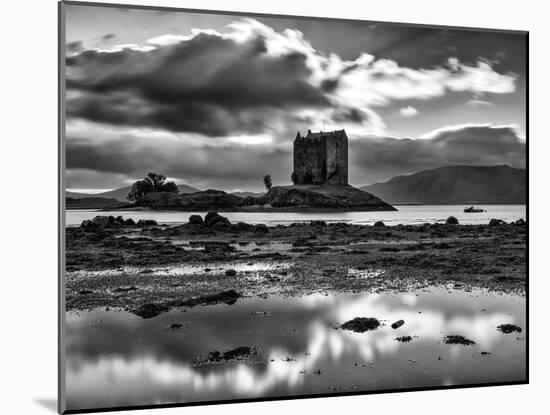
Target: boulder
[
  {"x": 86, "y": 224},
  {"x": 379, "y": 224},
  {"x": 520, "y": 222},
  {"x": 195, "y": 220},
  {"x": 496, "y": 222},
  {"x": 213, "y": 218},
  {"x": 100, "y": 222},
  {"x": 261, "y": 228},
  {"x": 129, "y": 222},
  {"x": 147, "y": 222},
  {"x": 230, "y": 272},
  {"x": 451, "y": 220}
]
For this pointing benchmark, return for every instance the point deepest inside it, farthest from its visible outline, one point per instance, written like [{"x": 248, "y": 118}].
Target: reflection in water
[{"x": 116, "y": 358}]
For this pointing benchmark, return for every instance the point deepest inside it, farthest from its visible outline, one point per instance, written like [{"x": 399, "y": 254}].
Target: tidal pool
[{"x": 115, "y": 358}]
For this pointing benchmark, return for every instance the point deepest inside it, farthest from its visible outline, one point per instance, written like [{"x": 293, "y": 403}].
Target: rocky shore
[{"x": 148, "y": 269}]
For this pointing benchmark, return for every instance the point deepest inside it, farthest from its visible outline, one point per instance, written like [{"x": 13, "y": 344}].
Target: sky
[{"x": 215, "y": 101}]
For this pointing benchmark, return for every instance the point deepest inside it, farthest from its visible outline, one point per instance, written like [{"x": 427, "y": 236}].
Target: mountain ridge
[{"x": 460, "y": 184}]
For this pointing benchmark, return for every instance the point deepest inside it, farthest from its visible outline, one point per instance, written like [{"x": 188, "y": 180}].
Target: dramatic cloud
[{"x": 234, "y": 82}]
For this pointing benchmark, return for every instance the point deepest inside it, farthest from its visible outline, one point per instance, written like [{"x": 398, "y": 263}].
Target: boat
[{"x": 472, "y": 209}]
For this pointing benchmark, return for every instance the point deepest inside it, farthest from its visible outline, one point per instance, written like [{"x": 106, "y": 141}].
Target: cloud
[
  {"x": 249, "y": 77},
  {"x": 97, "y": 151},
  {"x": 408, "y": 111},
  {"x": 379, "y": 158},
  {"x": 474, "y": 102},
  {"x": 114, "y": 156}
]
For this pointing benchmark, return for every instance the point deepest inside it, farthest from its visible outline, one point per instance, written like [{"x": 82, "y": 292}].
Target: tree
[
  {"x": 294, "y": 177},
  {"x": 267, "y": 181},
  {"x": 152, "y": 183}
]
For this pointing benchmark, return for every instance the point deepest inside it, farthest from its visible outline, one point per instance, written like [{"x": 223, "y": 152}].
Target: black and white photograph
[{"x": 261, "y": 207}]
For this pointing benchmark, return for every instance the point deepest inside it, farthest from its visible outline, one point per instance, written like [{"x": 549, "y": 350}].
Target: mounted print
[{"x": 258, "y": 207}]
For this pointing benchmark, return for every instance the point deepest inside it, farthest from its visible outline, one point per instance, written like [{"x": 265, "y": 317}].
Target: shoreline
[{"x": 132, "y": 267}]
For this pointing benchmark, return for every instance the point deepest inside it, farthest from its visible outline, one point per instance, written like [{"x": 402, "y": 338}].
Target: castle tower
[{"x": 321, "y": 158}]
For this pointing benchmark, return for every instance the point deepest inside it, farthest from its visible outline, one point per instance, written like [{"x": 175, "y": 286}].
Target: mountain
[
  {"x": 120, "y": 194},
  {"x": 455, "y": 185}
]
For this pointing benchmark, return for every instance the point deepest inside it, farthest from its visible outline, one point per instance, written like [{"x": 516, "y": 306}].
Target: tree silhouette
[
  {"x": 152, "y": 183},
  {"x": 267, "y": 181}
]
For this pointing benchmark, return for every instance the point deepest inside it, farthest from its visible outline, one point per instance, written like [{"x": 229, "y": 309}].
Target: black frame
[{"x": 61, "y": 209}]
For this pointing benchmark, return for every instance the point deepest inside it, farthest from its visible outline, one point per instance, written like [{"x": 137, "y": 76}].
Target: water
[
  {"x": 404, "y": 215},
  {"x": 119, "y": 359}
]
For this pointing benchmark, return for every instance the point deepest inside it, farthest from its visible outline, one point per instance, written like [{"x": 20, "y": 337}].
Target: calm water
[
  {"x": 117, "y": 358},
  {"x": 405, "y": 215}
]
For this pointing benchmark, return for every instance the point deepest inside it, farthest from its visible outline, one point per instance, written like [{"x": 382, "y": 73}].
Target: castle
[{"x": 321, "y": 158}]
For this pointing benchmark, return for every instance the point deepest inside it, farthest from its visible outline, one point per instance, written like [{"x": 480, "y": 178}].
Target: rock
[
  {"x": 212, "y": 218},
  {"x": 508, "y": 328},
  {"x": 261, "y": 228},
  {"x": 496, "y": 222},
  {"x": 86, "y": 224},
  {"x": 456, "y": 339},
  {"x": 100, "y": 222},
  {"x": 451, "y": 220},
  {"x": 520, "y": 222},
  {"x": 227, "y": 297},
  {"x": 404, "y": 339},
  {"x": 147, "y": 222},
  {"x": 221, "y": 226},
  {"x": 397, "y": 324},
  {"x": 243, "y": 227},
  {"x": 151, "y": 310},
  {"x": 195, "y": 220},
  {"x": 361, "y": 324},
  {"x": 239, "y": 353},
  {"x": 320, "y": 196},
  {"x": 230, "y": 272},
  {"x": 129, "y": 222},
  {"x": 317, "y": 223},
  {"x": 176, "y": 326},
  {"x": 379, "y": 224}
]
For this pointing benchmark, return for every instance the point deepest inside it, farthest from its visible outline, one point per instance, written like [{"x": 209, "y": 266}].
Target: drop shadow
[{"x": 48, "y": 403}]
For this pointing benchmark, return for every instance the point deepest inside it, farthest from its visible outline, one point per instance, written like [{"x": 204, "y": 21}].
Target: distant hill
[
  {"x": 455, "y": 185},
  {"x": 246, "y": 194},
  {"x": 92, "y": 203},
  {"x": 120, "y": 194}
]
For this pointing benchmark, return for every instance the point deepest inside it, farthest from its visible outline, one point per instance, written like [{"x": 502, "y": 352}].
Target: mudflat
[{"x": 150, "y": 269}]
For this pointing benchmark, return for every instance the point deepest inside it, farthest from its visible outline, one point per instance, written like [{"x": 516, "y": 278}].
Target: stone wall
[{"x": 321, "y": 158}]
